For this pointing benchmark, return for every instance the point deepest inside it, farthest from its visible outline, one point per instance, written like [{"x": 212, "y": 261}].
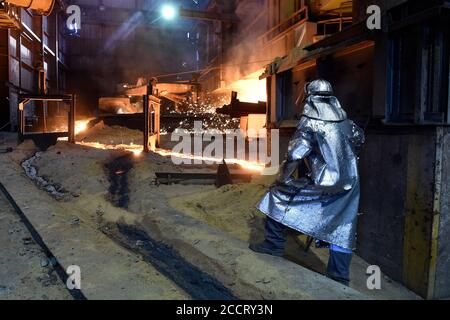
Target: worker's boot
[
  {"x": 275, "y": 239},
  {"x": 266, "y": 248},
  {"x": 339, "y": 267}
]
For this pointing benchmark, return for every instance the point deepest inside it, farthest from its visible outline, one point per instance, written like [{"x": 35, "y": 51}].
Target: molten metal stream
[
  {"x": 255, "y": 166},
  {"x": 250, "y": 88},
  {"x": 81, "y": 125},
  {"x": 137, "y": 150}
]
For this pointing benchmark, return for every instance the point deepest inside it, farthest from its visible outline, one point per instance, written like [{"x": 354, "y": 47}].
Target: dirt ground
[
  {"x": 25, "y": 272},
  {"x": 232, "y": 209},
  {"x": 72, "y": 226},
  {"x": 134, "y": 244}
]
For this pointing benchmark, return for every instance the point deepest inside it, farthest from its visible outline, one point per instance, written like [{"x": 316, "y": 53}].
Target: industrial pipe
[{"x": 44, "y": 7}]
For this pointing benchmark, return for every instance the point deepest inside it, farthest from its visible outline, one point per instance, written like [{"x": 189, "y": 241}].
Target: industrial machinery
[
  {"x": 10, "y": 10},
  {"x": 43, "y": 7},
  {"x": 45, "y": 118},
  {"x": 237, "y": 109}
]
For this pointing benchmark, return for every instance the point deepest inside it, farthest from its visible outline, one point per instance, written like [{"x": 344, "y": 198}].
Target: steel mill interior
[{"x": 154, "y": 149}]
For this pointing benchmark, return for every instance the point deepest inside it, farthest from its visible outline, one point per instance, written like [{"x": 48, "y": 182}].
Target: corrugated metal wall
[{"x": 24, "y": 52}]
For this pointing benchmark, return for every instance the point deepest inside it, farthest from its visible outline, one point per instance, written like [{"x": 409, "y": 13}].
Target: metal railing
[
  {"x": 296, "y": 19},
  {"x": 341, "y": 22}
]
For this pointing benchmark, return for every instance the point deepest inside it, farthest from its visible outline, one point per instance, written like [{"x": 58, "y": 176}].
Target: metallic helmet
[{"x": 318, "y": 87}]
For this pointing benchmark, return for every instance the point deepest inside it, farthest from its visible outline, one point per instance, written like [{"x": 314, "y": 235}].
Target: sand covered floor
[
  {"x": 232, "y": 209},
  {"x": 25, "y": 271},
  {"x": 164, "y": 242}
]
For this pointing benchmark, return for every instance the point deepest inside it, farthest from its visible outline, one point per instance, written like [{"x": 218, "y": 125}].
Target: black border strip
[{"x": 76, "y": 294}]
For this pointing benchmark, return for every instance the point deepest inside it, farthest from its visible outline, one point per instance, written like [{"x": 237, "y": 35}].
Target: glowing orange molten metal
[
  {"x": 137, "y": 150},
  {"x": 81, "y": 125},
  {"x": 249, "y": 165},
  {"x": 133, "y": 148},
  {"x": 250, "y": 88}
]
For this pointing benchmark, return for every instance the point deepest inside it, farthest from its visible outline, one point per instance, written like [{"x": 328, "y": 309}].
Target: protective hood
[{"x": 325, "y": 108}]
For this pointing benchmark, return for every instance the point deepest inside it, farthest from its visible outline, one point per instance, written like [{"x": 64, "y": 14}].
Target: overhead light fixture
[{"x": 168, "y": 12}]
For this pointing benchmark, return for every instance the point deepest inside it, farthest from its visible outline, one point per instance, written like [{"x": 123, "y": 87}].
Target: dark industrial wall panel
[
  {"x": 26, "y": 52},
  {"x": 442, "y": 285},
  {"x": 383, "y": 188},
  {"x": 360, "y": 7},
  {"x": 14, "y": 71},
  {"x": 27, "y": 18},
  {"x": 13, "y": 102},
  {"x": 420, "y": 182},
  {"x": 4, "y": 71},
  {"x": 27, "y": 81},
  {"x": 91, "y": 31},
  {"x": 380, "y": 74},
  {"x": 352, "y": 78},
  {"x": 127, "y": 4},
  {"x": 300, "y": 78},
  {"x": 397, "y": 178}
]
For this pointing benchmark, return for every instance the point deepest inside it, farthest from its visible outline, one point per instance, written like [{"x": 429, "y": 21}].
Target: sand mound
[{"x": 230, "y": 208}]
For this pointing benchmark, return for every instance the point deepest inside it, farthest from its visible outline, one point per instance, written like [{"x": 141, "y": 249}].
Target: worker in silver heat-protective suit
[{"x": 324, "y": 204}]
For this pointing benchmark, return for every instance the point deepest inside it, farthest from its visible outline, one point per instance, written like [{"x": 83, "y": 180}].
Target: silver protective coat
[{"x": 324, "y": 204}]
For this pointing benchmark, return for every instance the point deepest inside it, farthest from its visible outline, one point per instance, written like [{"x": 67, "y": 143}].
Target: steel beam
[
  {"x": 211, "y": 16},
  {"x": 146, "y": 122},
  {"x": 72, "y": 115}
]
